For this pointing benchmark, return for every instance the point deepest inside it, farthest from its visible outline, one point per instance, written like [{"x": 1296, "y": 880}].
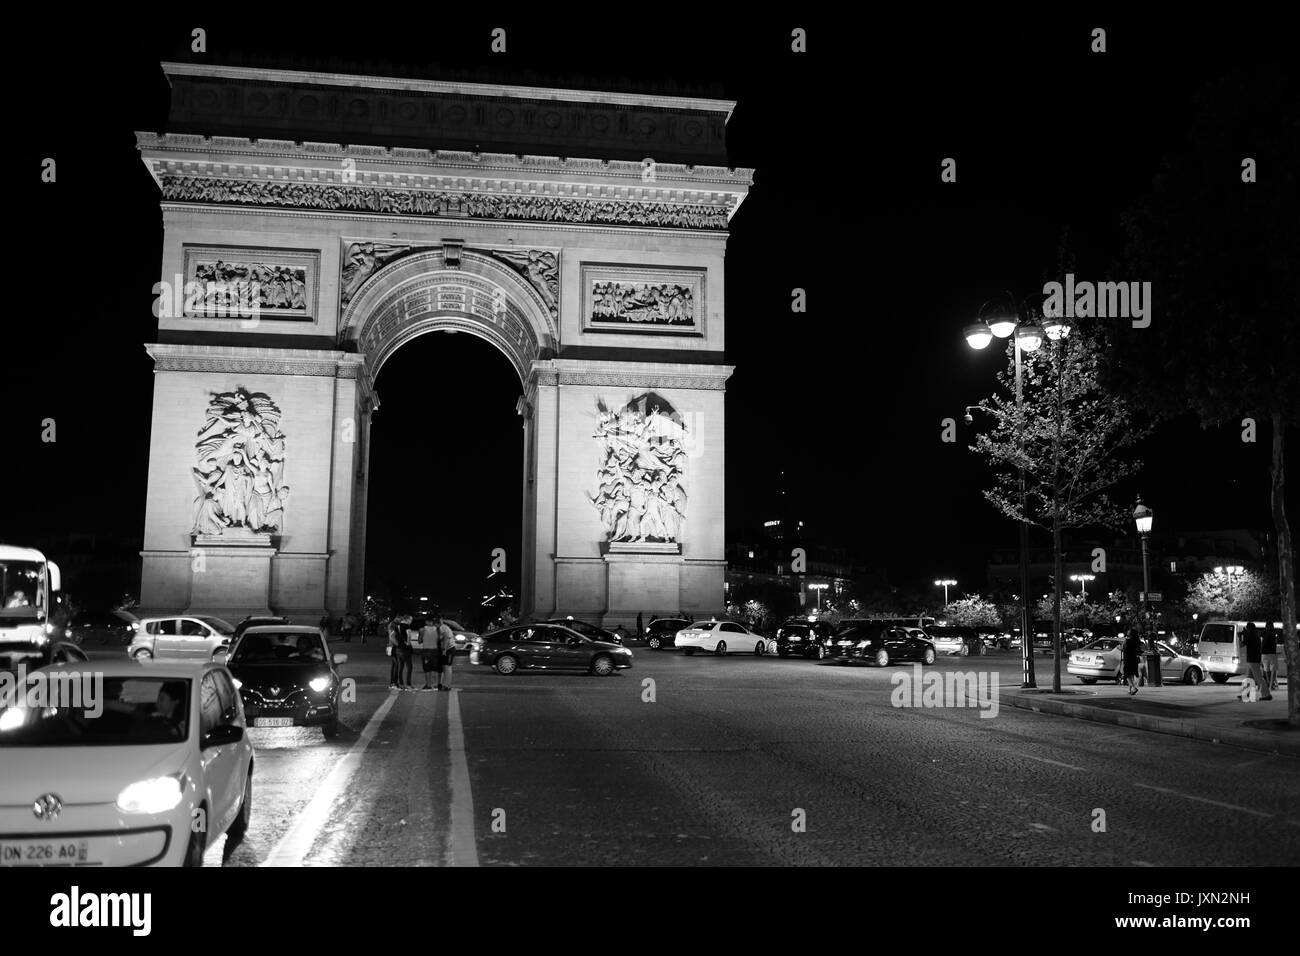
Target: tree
[
  {"x": 1244, "y": 596},
  {"x": 1221, "y": 249},
  {"x": 973, "y": 611},
  {"x": 1075, "y": 609},
  {"x": 1069, "y": 436}
]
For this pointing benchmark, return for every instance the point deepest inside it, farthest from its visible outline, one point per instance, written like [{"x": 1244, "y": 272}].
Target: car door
[
  {"x": 565, "y": 649},
  {"x": 221, "y": 773},
  {"x": 167, "y": 640},
  {"x": 192, "y": 639},
  {"x": 734, "y": 636},
  {"x": 1171, "y": 667},
  {"x": 532, "y": 647}
]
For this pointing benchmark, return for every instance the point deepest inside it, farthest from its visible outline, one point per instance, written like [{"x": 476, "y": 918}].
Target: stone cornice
[
  {"x": 655, "y": 101},
  {"x": 632, "y": 375},
  {"x": 253, "y": 360}
]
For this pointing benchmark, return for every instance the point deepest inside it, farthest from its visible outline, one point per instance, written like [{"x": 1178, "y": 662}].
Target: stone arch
[{"x": 449, "y": 288}]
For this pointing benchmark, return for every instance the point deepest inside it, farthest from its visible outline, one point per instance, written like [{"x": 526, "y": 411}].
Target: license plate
[
  {"x": 44, "y": 852},
  {"x": 273, "y": 722}
]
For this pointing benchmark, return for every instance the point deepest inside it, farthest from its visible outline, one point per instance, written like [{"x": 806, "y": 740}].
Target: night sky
[{"x": 846, "y": 141}]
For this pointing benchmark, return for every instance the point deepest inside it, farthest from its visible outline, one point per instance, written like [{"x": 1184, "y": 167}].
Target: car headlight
[
  {"x": 135, "y": 625},
  {"x": 155, "y": 795},
  {"x": 49, "y": 628},
  {"x": 320, "y": 684}
]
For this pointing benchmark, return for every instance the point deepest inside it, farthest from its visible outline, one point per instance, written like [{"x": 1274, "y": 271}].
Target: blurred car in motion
[
  {"x": 804, "y": 638},
  {"x": 720, "y": 638},
  {"x": 287, "y": 677},
  {"x": 15, "y": 657},
  {"x": 122, "y": 780},
  {"x": 883, "y": 644},
  {"x": 103, "y": 627},
  {"x": 180, "y": 638},
  {"x": 547, "y": 647},
  {"x": 662, "y": 632},
  {"x": 592, "y": 631}
]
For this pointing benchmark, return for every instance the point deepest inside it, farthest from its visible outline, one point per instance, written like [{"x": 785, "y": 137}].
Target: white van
[{"x": 1222, "y": 648}]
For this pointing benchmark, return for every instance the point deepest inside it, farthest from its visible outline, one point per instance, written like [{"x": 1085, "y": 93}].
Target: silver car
[{"x": 181, "y": 637}]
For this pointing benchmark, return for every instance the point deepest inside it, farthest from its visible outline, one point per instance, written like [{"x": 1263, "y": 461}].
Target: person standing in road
[
  {"x": 1268, "y": 653},
  {"x": 429, "y": 659},
  {"x": 1133, "y": 659},
  {"x": 404, "y": 656},
  {"x": 447, "y": 651},
  {"x": 640, "y": 627},
  {"x": 394, "y": 658},
  {"x": 1254, "y": 659}
]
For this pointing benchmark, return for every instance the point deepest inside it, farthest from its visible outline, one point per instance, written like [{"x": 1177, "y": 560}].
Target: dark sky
[{"x": 846, "y": 141}]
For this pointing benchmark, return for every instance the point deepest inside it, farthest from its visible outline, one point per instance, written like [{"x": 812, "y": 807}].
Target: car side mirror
[
  {"x": 340, "y": 658},
  {"x": 222, "y": 735},
  {"x": 220, "y": 655}
]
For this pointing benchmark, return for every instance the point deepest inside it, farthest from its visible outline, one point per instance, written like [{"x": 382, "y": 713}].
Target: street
[{"x": 568, "y": 769}]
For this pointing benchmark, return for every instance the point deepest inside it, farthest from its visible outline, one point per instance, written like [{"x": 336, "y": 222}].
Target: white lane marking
[
  {"x": 310, "y": 824},
  {"x": 1215, "y": 803},
  {"x": 1055, "y": 763},
  {"x": 463, "y": 850}
]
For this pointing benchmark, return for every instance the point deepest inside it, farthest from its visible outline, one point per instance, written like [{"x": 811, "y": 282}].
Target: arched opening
[{"x": 446, "y": 458}]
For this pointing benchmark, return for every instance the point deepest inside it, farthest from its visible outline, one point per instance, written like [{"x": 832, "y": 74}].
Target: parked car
[
  {"x": 181, "y": 637},
  {"x": 547, "y": 647},
  {"x": 994, "y": 637},
  {"x": 103, "y": 627},
  {"x": 803, "y": 638},
  {"x": 1221, "y": 648},
  {"x": 123, "y": 787},
  {"x": 954, "y": 639},
  {"x": 662, "y": 632},
  {"x": 592, "y": 631},
  {"x": 884, "y": 644},
  {"x": 287, "y": 677},
  {"x": 1103, "y": 659},
  {"x": 721, "y": 637}
]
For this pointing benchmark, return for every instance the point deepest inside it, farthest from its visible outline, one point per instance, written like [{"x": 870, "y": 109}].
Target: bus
[{"x": 29, "y": 587}]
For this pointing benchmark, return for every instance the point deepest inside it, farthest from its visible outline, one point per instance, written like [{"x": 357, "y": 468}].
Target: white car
[
  {"x": 182, "y": 637},
  {"x": 721, "y": 637},
  {"x": 462, "y": 635},
  {"x": 149, "y": 769}
]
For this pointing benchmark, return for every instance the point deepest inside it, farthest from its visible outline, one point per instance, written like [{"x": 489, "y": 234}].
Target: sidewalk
[{"x": 1209, "y": 712}]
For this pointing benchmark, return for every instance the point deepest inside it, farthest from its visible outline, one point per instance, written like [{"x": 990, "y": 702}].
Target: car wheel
[
  {"x": 245, "y": 815},
  {"x": 759, "y": 648},
  {"x": 143, "y": 654},
  {"x": 194, "y": 849},
  {"x": 331, "y": 728},
  {"x": 821, "y": 652},
  {"x": 506, "y": 664},
  {"x": 1193, "y": 675},
  {"x": 654, "y": 643},
  {"x": 1219, "y": 678},
  {"x": 928, "y": 657},
  {"x": 720, "y": 648},
  {"x": 882, "y": 658},
  {"x": 688, "y": 651},
  {"x": 1087, "y": 680},
  {"x": 602, "y": 666}
]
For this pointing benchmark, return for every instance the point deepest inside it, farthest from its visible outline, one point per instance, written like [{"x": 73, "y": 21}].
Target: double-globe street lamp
[
  {"x": 945, "y": 583},
  {"x": 1083, "y": 580},
  {"x": 1142, "y": 517},
  {"x": 1001, "y": 319}
]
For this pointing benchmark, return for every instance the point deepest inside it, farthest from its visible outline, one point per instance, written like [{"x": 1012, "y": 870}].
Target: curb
[{"x": 1245, "y": 739}]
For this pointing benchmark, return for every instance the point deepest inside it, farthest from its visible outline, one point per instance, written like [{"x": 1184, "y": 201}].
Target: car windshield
[
  {"x": 279, "y": 648},
  {"x": 113, "y": 711},
  {"x": 224, "y": 628}
]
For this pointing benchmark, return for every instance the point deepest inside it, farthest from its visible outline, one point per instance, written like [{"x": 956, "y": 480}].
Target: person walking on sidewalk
[
  {"x": 1133, "y": 659},
  {"x": 1255, "y": 660},
  {"x": 447, "y": 651},
  {"x": 1268, "y": 651}
]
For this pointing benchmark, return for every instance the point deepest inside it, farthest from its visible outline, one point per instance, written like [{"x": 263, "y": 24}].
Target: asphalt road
[{"x": 746, "y": 761}]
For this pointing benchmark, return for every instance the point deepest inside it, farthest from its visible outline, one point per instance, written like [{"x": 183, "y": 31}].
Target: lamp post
[
  {"x": 1002, "y": 321},
  {"x": 1083, "y": 580},
  {"x": 819, "y": 588},
  {"x": 1230, "y": 571},
  {"x": 945, "y": 583},
  {"x": 1142, "y": 517}
]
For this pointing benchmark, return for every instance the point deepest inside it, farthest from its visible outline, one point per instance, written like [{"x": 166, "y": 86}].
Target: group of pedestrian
[
  {"x": 437, "y": 646},
  {"x": 1261, "y": 659}
]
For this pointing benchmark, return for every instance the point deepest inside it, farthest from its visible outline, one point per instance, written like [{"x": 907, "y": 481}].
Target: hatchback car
[
  {"x": 182, "y": 637},
  {"x": 103, "y": 627},
  {"x": 125, "y": 781},
  {"x": 662, "y": 632},
  {"x": 803, "y": 638},
  {"x": 720, "y": 638},
  {"x": 547, "y": 647},
  {"x": 287, "y": 677},
  {"x": 883, "y": 644},
  {"x": 954, "y": 639}
]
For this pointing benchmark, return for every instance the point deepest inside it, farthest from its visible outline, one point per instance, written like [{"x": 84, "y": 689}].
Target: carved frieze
[
  {"x": 239, "y": 467},
  {"x": 640, "y": 495},
  {"x": 649, "y": 299},
  {"x": 224, "y": 282}
]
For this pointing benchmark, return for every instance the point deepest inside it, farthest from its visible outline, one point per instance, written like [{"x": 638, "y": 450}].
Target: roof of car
[
  {"x": 150, "y": 668},
  {"x": 282, "y": 629}
]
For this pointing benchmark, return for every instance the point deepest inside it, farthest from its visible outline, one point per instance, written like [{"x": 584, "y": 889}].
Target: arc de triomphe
[{"x": 313, "y": 223}]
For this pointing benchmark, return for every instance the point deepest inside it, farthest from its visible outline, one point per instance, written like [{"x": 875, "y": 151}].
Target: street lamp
[
  {"x": 1142, "y": 517},
  {"x": 819, "y": 588},
  {"x": 1083, "y": 580},
  {"x": 945, "y": 583},
  {"x": 1001, "y": 318}
]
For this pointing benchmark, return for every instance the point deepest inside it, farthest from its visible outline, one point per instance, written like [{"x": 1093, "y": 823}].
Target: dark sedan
[
  {"x": 662, "y": 632},
  {"x": 587, "y": 630},
  {"x": 287, "y": 677},
  {"x": 103, "y": 627},
  {"x": 547, "y": 647},
  {"x": 804, "y": 638},
  {"x": 882, "y": 645}
]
